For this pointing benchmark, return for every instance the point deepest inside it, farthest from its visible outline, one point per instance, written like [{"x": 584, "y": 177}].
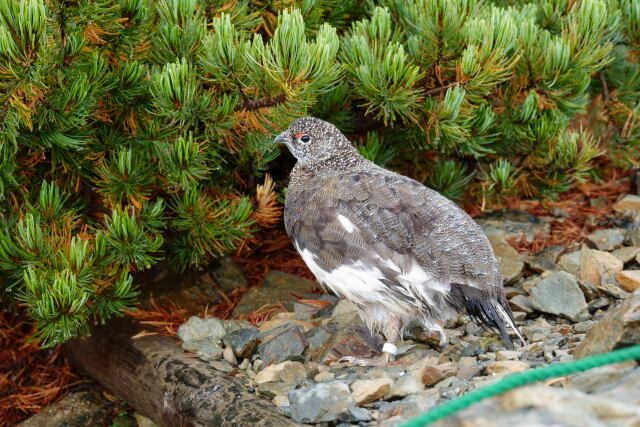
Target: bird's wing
[{"x": 393, "y": 222}]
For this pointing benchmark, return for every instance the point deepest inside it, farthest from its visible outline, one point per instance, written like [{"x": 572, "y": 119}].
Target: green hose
[{"x": 520, "y": 379}]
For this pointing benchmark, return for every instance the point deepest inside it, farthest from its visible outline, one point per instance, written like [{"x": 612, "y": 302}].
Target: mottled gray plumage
[{"x": 386, "y": 242}]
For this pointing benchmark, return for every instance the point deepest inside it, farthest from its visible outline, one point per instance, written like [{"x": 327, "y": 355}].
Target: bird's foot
[
  {"x": 382, "y": 360},
  {"x": 388, "y": 356}
]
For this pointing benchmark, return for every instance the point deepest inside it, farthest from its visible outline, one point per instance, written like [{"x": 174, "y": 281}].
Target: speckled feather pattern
[{"x": 383, "y": 240}]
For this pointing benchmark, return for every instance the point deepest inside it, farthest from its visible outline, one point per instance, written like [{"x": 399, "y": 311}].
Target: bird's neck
[{"x": 347, "y": 161}]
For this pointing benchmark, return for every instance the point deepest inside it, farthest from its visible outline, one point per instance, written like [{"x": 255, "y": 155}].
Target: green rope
[{"x": 520, "y": 379}]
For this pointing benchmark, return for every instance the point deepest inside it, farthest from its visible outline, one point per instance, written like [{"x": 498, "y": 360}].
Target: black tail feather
[{"x": 481, "y": 306}]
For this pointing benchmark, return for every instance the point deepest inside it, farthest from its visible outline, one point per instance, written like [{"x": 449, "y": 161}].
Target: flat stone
[
  {"x": 365, "y": 391},
  {"x": 626, "y": 254},
  {"x": 229, "y": 357},
  {"x": 197, "y": 328},
  {"x": 353, "y": 414},
  {"x": 589, "y": 291},
  {"x": 629, "y": 280},
  {"x": 324, "y": 376},
  {"x": 243, "y": 342},
  {"x": 571, "y": 262},
  {"x": 319, "y": 338},
  {"x": 618, "y": 328},
  {"x": 270, "y": 373},
  {"x": 392, "y": 414},
  {"x": 320, "y": 402},
  {"x": 521, "y": 303},
  {"x": 282, "y": 318},
  {"x": 507, "y": 224},
  {"x": 510, "y": 268},
  {"x": 633, "y": 236},
  {"x": 405, "y": 386},
  {"x": 593, "y": 379},
  {"x": 597, "y": 266},
  {"x": 293, "y": 373},
  {"x": 285, "y": 345},
  {"x": 499, "y": 367},
  {"x": 271, "y": 390},
  {"x": 433, "y": 374},
  {"x": 507, "y": 355},
  {"x": 601, "y": 303},
  {"x": 205, "y": 349},
  {"x": 222, "y": 366},
  {"x": 277, "y": 287},
  {"x": 354, "y": 340},
  {"x": 629, "y": 202},
  {"x": 606, "y": 239},
  {"x": 540, "y": 264},
  {"x": 559, "y": 294}
]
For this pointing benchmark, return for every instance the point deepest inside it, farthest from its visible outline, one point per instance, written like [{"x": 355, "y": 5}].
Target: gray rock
[
  {"x": 594, "y": 379},
  {"x": 626, "y": 254},
  {"x": 506, "y": 224},
  {"x": 243, "y": 342},
  {"x": 510, "y": 268},
  {"x": 197, "y": 328},
  {"x": 366, "y": 391},
  {"x": 633, "y": 236},
  {"x": 597, "y": 266},
  {"x": 273, "y": 389},
  {"x": 551, "y": 253},
  {"x": 571, "y": 262},
  {"x": 409, "y": 407},
  {"x": 540, "y": 264},
  {"x": 277, "y": 287},
  {"x": 284, "y": 345},
  {"x": 589, "y": 291},
  {"x": 601, "y": 303},
  {"x": 320, "y": 403},
  {"x": 404, "y": 386},
  {"x": 354, "y": 414},
  {"x": 205, "y": 349},
  {"x": 294, "y": 373},
  {"x": 355, "y": 340},
  {"x": 521, "y": 303},
  {"x": 559, "y": 294},
  {"x": 619, "y": 328},
  {"x": 221, "y": 365},
  {"x": 606, "y": 239},
  {"x": 319, "y": 337}
]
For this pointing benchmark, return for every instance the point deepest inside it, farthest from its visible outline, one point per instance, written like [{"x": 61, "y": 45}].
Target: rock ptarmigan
[{"x": 398, "y": 250}]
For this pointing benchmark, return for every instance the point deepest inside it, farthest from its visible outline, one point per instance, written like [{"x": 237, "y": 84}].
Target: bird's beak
[{"x": 281, "y": 139}]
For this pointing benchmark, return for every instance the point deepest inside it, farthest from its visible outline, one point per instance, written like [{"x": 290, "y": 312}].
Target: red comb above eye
[{"x": 298, "y": 135}]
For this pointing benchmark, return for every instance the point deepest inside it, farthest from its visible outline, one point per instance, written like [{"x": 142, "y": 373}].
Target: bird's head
[{"x": 310, "y": 139}]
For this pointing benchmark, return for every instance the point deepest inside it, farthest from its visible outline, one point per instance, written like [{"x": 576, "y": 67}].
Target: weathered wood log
[{"x": 166, "y": 384}]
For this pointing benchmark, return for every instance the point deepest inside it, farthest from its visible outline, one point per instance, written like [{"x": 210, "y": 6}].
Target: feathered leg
[{"x": 389, "y": 349}]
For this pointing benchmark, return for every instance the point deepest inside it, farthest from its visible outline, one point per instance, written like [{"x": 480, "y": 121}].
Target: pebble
[
  {"x": 320, "y": 402},
  {"x": 571, "y": 262},
  {"x": 606, "y": 239},
  {"x": 228, "y": 356},
  {"x": 324, "y": 376},
  {"x": 507, "y": 355},
  {"x": 629, "y": 280},
  {"x": 285, "y": 345},
  {"x": 559, "y": 294},
  {"x": 243, "y": 342},
  {"x": 499, "y": 367},
  {"x": 405, "y": 386},
  {"x": 222, "y": 366},
  {"x": 365, "y": 391}
]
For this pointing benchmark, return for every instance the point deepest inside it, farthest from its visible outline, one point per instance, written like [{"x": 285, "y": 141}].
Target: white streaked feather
[
  {"x": 501, "y": 311},
  {"x": 348, "y": 225}
]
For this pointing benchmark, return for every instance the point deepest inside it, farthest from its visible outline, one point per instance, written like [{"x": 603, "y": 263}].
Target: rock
[
  {"x": 277, "y": 287},
  {"x": 629, "y": 280},
  {"x": 521, "y": 303},
  {"x": 510, "y": 268},
  {"x": 222, "y": 366},
  {"x": 283, "y": 318},
  {"x": 320, "y": 402},
  {"x": 606, "y": 239},
  {"x": 433, "y": 374},
  {"x": 354, "y": 414},
  {"x": 271, "y": 390},
  {"x": 319, "y": 337},
  {"x": 571, "y": 262},
  {"x": 593, "y": 379},
  {"x": 597, "y": 266},
  {"x": 392, "y": 414},
  {"x": 559, "y": 212},
  {"x": 618, "y": 328},
  {"x": 589, "y": 291},
  {"x": 601, "y": 303},
  {"x": 143, "y": 421},
  {"x": 365, "y": 391},
  {"x": 285, "y": 344},
  {"x": 540, "y": 264},
  {"x": 626, "y": 254},
  {"x": 324, "y": 376},
  {"x": 559, "y": 294},
  {"x": 507, "y": 224},
  {"x": 229, "y": 357},
  {"x": 243, "y": 342},
  {"x": 204, "y": 348},
  {"x": 499, "y": 367},
  {"x": 629, "y": 202},
  {"x": 405, "y": 386},
  {"x": 507, "y": 355},
  {"x": 633, "y": 236},
  {"x": 270, "y": 373},
  {"x": 293, "y": 373},
  {"x": 344, "y": 313},
  {"x": 196, "y": 328},
  {"x": 83, "y": 408},
  {"x": 355, "y": 340},
  {"x": 613, "y": 291}
]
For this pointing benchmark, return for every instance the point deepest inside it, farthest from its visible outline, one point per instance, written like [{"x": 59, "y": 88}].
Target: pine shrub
[{"x": 137, "y": 130}]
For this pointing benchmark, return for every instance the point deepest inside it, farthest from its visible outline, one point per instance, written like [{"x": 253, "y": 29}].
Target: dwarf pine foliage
[{"x": 137, "y": 130}]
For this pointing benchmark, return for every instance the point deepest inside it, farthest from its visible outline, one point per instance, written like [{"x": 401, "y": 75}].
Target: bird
[{"x": 400, "y": 251}]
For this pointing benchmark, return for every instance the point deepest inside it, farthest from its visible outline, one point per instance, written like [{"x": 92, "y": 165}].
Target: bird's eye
[{"x": 305, "y": 138}]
